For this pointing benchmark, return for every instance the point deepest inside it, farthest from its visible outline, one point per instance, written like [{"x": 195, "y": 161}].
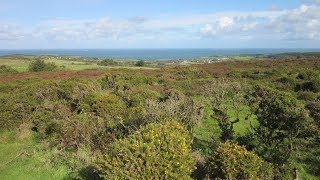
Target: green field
[
  {"x": 21, "y": 65},
  {"x": 21, "y": 157}
]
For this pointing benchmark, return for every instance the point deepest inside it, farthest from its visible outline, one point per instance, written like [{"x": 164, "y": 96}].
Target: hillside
[{"x": 250, "y": 119}]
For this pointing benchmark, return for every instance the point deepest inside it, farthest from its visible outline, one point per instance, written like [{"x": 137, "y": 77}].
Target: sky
[{"x": 84, "y": 24}]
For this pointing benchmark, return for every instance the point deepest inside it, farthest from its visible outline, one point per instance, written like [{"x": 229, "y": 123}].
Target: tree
[
  {"x": 40, "y": 65},
  {"x": 281, "y": 120},
  {"x": 107, "y": 62},
  {"x": 227, "y": 96},
  {"x": 174, "y": 105},
  {"x": 140, "y": 63}
]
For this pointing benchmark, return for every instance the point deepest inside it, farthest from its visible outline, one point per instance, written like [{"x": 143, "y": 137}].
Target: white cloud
[
  {"x": 314, "y": 1},
  {"x": 104, "y": 28},
  {"x": 301, "y": 23},
  {"x": 208, "y": 30},
  {"x": 225, "y": 22},
  {"x": 11, "y": 32}
]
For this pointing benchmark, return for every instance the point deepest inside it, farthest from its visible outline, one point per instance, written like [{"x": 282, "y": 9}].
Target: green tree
[
  {"x": 228, "y": 96},
  {"x": 140, "y": 63},
  {"x": 41, "y": 65},
  {"x": 281, "y": 120},
  {"x": 107, "y": 62}
]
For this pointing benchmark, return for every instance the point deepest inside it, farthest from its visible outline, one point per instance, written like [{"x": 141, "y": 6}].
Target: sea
[{"x": 151, "y": 54}]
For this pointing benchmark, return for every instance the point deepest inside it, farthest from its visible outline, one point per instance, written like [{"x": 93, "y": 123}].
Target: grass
[
  {"x": 21, "y": 65},
  {"x": 208, "y": 133},
  {"x": 304, "y": 175},
  {"x": 241, "y": 128},
  {"x": 24, "y": 158},
  {"x": 75, "y": 65}
]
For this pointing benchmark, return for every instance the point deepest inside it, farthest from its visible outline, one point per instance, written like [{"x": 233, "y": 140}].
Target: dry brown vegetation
[
  {"x": 52, "y": 75},
  {"x": 215, "y": 69},
  {"x": 224, "y": 68}
]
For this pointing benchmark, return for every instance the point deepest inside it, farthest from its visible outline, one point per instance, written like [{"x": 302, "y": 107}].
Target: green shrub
[
  {"x": 140, "y": 63},
  {"x": 231, "y": 161},
  {"x": 287, "y": 80},
  {"x": 18, "y": 102},
  {"x": 107, "y": 106},
  {"x": 7, "y": 70},
  {"x": 75, "y": 91},
  {"x": 45, "y": 123},
  {"x": 40, "y": 65},
  {"x": 314, "y": 111},
  {"x": 307, "y": 95},
  {"x": 307, "y": 75},
  {"x": 156, "y": 151},
  {"x": 255, "y": 74},
  {"x": 174, "y": 105},
  {"x": 281, "y": 119},
  {"x": 38, "y": 101},
  {"x": 311, "y": 81},
  {"x": 81, "y": 131},
  {"x": 313, "y": 86},
  {"x": 107, "y": 62}
]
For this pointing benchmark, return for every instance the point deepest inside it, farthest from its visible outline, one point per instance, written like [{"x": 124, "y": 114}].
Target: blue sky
[{"x": 26, "y": 24}]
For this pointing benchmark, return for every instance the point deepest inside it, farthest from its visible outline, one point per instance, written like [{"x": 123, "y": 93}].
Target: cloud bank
[{"x": 299, "y": 24}]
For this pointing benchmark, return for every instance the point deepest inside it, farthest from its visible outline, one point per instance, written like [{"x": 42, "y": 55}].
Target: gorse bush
[
  {"x": 107, "y": 106},
  {"x": 41, "y": 65},
  {"x": 156, "y": 151},
  {"x": 18, "y": 108},
  {"x": 40, "y": 101},
  {"x": 231, "y": 161}
]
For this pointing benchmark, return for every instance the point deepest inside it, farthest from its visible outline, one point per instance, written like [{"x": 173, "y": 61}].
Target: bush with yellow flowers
[
  {"x": 231, "y": 161},
  {"x": 156, "y": 151}
]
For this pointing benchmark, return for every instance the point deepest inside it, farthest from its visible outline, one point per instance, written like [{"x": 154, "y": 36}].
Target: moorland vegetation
[{"x": 255, "y": 119}]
